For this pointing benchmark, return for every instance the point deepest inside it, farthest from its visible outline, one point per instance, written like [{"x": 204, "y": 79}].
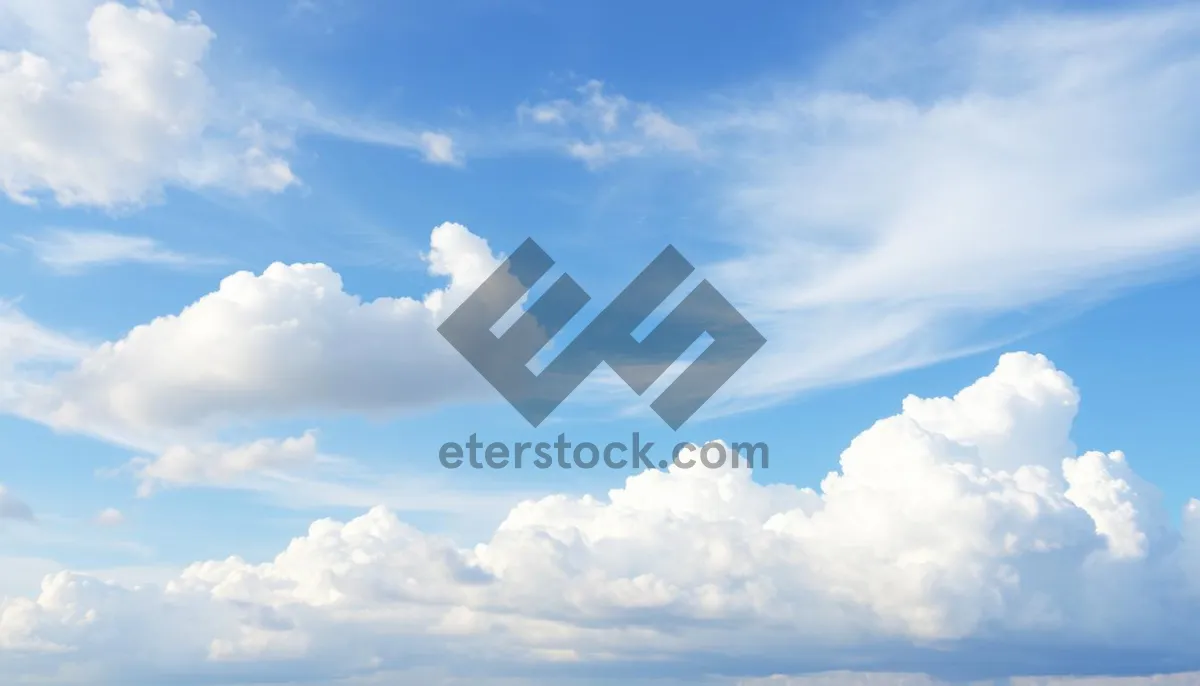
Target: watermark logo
[{"x": 503, "y": 359}]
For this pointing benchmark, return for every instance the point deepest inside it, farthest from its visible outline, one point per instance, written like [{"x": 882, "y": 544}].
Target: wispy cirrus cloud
[
  {"x": 880, "y": 219},
  {"x": 71, "y": 251},
  {"x": 598, "y": 127},
  {"x": 300, "y": 116},
  {"x": 24, "y": 342},
  {"x": 939, "y": 186}
]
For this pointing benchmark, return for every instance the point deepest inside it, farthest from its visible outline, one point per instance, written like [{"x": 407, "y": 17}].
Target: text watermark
[{"x": 634, "y": 455}]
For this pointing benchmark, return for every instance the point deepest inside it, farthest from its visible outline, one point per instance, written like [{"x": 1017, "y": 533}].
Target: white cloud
[
  {"x": 111, "y": 102},
  {"x": 288, "y": 341},
  {"x": 139, "y": 117},
  {"x": 13, "y": 508},
  {"x": 72, "y": 251},
  {"x": 546, "y": 113},
  {"x": 959, "y": 529},
  {"x": 439, "y": 148},
  {"x": 289, "y": 109},
  {"x": 656, "y": 126},
  {"x": 23, "y": 345},
  {"x": 294, "y": 344},
  {"x": 110, "y": 516},
  {"x": 602, "y": 128},
  {"x": 220, "y": 464},
  {"x": 880, "y": 231}
]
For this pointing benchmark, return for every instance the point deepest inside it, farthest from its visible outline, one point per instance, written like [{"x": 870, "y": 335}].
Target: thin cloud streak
[{"x": 69, "y": 251}]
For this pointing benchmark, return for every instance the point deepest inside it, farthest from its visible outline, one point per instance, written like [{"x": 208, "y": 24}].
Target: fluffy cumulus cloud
[
  {"x": 105, "y": 104},
  {"x": 287, "y": 341},
  {"x": 964, "y": 537}
]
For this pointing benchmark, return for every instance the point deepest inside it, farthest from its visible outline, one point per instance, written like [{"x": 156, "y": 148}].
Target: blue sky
[{"x": 228, "y": 231}]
